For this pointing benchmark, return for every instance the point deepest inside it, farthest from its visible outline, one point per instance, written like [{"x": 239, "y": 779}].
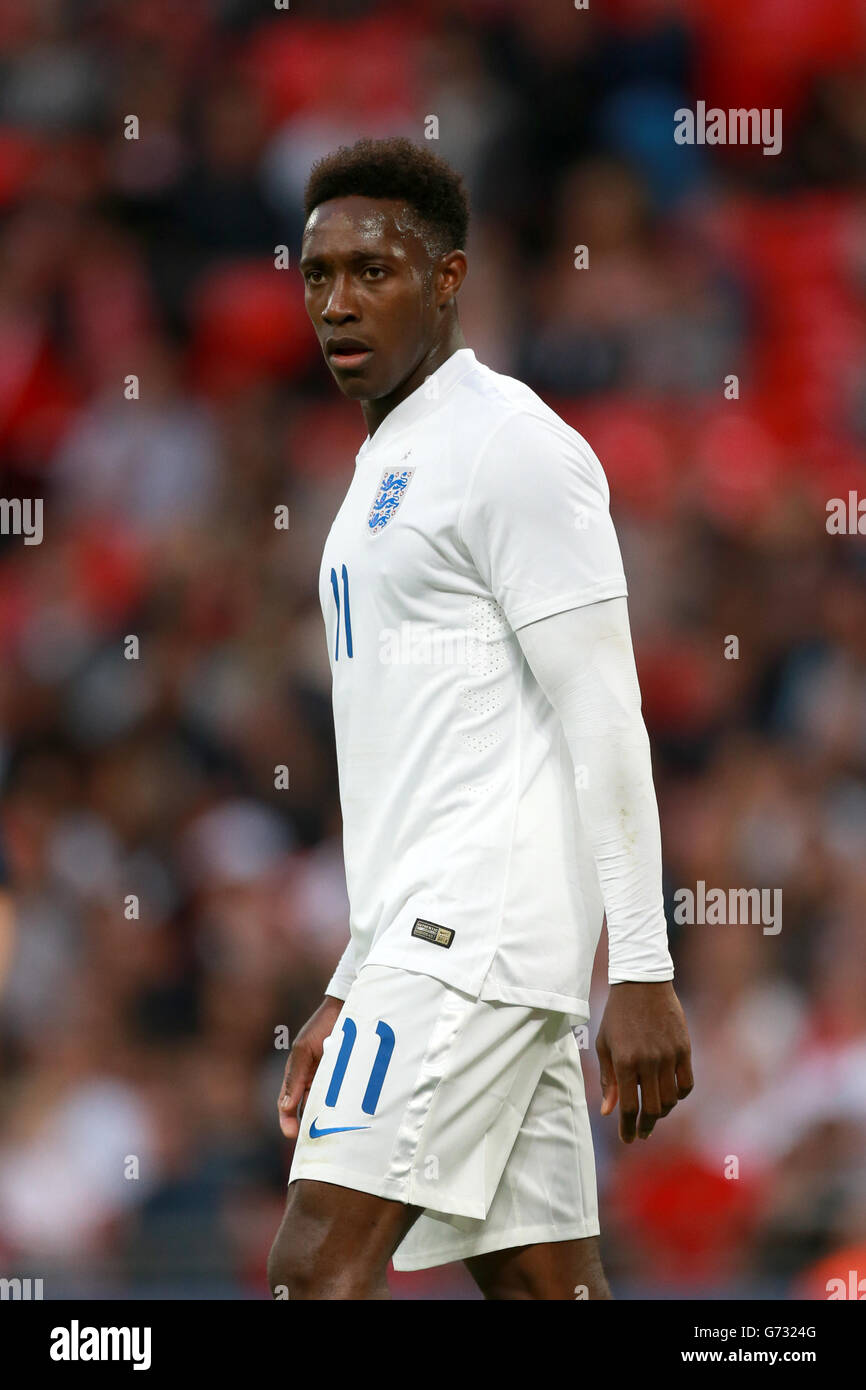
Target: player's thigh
[
  {"x": 327, "y": 1230},
  {"x": 556, "y": 1270}
]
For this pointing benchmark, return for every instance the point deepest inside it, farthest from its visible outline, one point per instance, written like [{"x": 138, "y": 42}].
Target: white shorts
[{"x": 473, "y": 1110}]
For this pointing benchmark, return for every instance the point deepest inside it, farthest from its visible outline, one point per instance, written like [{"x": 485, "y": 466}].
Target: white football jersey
[{"x": 474, "y": 510}]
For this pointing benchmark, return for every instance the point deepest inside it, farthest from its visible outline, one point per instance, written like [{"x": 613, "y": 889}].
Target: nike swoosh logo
[{"x": 338, "y": 1129}]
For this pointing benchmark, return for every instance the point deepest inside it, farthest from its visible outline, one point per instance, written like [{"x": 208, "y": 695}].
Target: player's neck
[{"x": 375, "y": 411}]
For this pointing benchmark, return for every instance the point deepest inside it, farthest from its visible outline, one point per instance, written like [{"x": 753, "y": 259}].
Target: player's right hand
[{"x": 305, "y": 1056}]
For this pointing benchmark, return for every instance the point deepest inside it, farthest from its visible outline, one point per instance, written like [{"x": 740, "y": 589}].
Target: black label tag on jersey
[{"x": 431, "y": 931}]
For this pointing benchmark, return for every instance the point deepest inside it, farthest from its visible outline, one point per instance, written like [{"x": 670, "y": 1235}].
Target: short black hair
[{"x": 396, "y": 168}]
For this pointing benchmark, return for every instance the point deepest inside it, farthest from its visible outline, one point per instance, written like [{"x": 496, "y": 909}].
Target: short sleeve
[{"x": 536, "y": 521}]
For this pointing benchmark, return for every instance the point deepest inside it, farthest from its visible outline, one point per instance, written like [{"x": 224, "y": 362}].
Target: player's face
[{"x": 370, "y": 293}]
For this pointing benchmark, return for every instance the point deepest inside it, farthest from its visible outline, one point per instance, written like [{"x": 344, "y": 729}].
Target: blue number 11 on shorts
[{"x": 385, "y": 1035}]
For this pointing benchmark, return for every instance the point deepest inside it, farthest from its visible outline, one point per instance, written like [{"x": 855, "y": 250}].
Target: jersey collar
[{"x": 421, "y": 402}]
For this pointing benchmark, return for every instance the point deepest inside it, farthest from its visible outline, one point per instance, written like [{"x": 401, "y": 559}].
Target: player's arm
[
  {"x": 583, "y": 660},
  {"x": 536, "y": 522},
  {"x": 306, "y": 1050}
]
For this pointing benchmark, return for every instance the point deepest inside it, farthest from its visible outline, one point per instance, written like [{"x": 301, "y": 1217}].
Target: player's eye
[
  {"x": 376, "y": 270},
  {"x": 309, "y": 276}
]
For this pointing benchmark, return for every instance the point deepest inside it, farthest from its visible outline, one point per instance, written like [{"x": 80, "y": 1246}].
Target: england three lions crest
[{"x": 390, "y": 493}]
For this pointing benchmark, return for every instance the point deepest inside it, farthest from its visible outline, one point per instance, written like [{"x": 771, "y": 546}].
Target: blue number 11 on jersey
[{"x": 346, "y": 614}]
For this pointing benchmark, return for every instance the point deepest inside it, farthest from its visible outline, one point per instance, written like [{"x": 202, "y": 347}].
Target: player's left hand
[{"x": 643, "y": 1042}]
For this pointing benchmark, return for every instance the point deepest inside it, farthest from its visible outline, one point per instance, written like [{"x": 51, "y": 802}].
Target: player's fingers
[
  {"x": 685, "y": 1078},
  {"x": 608, "y": 1079},
  {"x": 287, "y": 1071},
  {"x": 650, "y": 1099},
  {"x": 626, "y": 1080},
  {"x": 287, "y": 1081},
  {"x": 302, "y": 1103},
  {"x": 610, "y": 1096},
  {"x": 289, "y": 1118},
  {"x": 668, "y": 1086},
  {"x": 295, "y": 1082}
]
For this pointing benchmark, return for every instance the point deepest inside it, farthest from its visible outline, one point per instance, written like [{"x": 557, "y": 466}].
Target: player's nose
[{"x": 339, "y": 305}]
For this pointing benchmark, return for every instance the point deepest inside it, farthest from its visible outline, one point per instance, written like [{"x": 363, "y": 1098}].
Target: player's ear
[{"x": 450, "y": 274}]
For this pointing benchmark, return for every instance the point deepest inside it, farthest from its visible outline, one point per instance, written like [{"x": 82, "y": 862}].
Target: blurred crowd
[{"x": 173, "y": 908}]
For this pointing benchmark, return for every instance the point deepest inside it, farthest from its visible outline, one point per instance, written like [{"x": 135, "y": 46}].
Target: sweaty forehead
[{"x": 368, "y": 224}]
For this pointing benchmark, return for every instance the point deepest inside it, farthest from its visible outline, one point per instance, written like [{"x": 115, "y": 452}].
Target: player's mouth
[{"x": 347, "y": 353}]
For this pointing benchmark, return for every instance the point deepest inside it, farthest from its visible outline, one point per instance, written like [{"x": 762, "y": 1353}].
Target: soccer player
[{"x": 496, "y": 792}]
